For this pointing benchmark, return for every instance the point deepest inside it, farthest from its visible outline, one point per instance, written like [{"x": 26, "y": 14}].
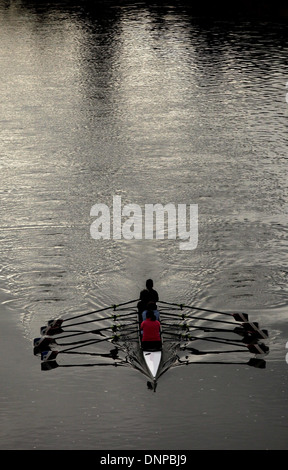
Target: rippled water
[{"x": 156, "y": 105}]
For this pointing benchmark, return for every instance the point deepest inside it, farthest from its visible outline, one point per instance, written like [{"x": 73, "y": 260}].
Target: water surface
[{"x": 155, "y": 104}]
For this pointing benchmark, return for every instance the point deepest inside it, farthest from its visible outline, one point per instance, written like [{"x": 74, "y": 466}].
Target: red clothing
[{"x": 151, "y": 330}]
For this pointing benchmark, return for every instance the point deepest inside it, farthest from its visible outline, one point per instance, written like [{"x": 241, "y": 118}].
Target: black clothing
[
  {"x": 151, "y": 345},
  {"x": 145, "y": 297}
]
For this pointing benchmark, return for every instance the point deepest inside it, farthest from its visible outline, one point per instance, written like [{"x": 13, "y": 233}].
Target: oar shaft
[
  {"x": 201, "y": 338},
  {"x": 114, "y": 307},
  {"x": 193, "y": 317},
  {"x": 79, "y": 333},
  {"x": 111, "y": 317},
  {"x": 98, "y": 331},
  {"x": 200, "y": 353},
  {"x": 181, "y": 306},
  {"x": 196, "y": 327},
  {"x": 87, "y": 344}
]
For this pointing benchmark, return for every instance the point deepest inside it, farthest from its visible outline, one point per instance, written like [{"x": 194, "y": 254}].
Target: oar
[
  {"x": 114, "y": 338},
  {"x": 237, "y": 316},
  {"x": 43, "y": 343},
  {"x": 197, "y": 352},
  {"x": 249, "y": 327},
  {"x": 202, "y": 353},
  {"x": 246, "y": 338},
  {"x": 237, "y": 330},
  {"x": 51, "y": 355},
  {"x": 60, "y": 331},
  {"x": 193, "y": 317},
  {"x": 46, "y": 344},
  {"x": 50, "y": 365},
  {"x": 253, "y": 362},
  {"x": 56, "y": 329},
  {"x": 254, "y": 348},
  {"x": 45, "y": 331},
  {"x": 246, "y": 329},
  {"x": 58, "y": 322},
  {"x": 113, "y": 353}
]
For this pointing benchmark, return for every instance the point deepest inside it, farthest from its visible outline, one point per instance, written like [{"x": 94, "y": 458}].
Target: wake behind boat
[{"x": 182, "y": 328}]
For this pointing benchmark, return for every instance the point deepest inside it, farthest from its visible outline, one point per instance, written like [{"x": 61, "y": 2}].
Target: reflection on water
[{"x": 156, "y": 104}]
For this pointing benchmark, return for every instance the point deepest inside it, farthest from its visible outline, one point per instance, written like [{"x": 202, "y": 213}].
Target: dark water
[{"x": 155, "y": 103}]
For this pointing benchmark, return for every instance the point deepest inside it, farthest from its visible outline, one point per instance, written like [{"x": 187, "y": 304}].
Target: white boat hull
[{"x": 152, "y": 360}]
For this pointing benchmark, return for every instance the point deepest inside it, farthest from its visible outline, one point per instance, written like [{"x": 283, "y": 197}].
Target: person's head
[
  {"x": 150, "y": 314},
  {"x": 151, "y": 305},
  {"x": 149, "y": 284}
]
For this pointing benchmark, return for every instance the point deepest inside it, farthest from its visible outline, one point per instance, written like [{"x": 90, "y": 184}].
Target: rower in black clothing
[
  {"x": 147, "y": 295},
  {"x": 152, "y": 293}
]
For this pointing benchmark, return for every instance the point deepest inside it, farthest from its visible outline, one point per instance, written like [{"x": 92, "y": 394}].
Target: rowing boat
[{"x": 180, "y": 326}]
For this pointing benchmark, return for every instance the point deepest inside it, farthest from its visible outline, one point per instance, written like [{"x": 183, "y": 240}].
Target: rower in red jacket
[{"x": 150, "y": 328}]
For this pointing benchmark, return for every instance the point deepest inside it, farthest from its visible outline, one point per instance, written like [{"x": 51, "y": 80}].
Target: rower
[
  {"x": 151, "y": 339},
  {"x": 147, "y": 295},
  {"x": 151, "y": 306},
  {"x": 152, "y": 293}
]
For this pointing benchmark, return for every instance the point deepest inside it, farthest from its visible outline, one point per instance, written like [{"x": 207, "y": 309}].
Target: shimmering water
[{"x": 156, "y": 104}]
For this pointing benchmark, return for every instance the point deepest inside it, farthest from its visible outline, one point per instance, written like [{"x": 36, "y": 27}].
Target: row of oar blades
[
  {"x": 249, "y": 331},
  {"x": 45, "y": 343},
  {"x": 53, "y": 332}
]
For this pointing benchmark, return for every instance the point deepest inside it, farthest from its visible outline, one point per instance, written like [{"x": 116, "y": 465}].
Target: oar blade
[
  {"x": 55, "y": 323},
  {"x": 258, "y": 363},
  {"x": 250, "y": 336},
  {"x": 49, "y": 365},
  {"x": 240, "y": 317},
  {"x": 50, "y": 331},
  {"x": 49, "y": 355},
  {"x": 42, "y": 344},
  {"x": 253, "y": 329}
]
